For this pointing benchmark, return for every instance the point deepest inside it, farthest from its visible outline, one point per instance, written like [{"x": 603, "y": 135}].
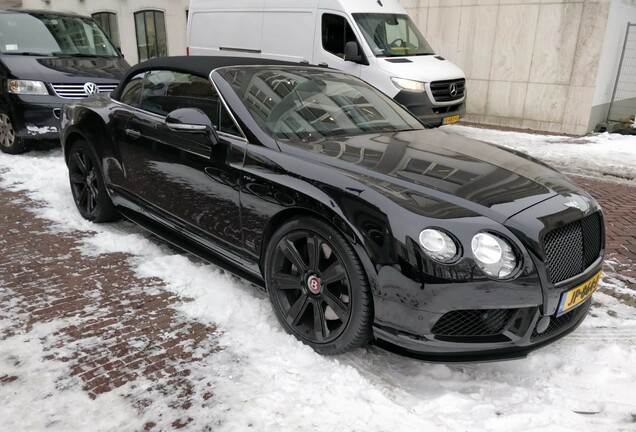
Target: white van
[{"x": 372, "y": 39}]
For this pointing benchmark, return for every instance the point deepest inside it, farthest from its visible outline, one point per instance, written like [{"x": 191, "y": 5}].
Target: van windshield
[
  {"x": 50, "y": 34},
  {"x": 391, "y": 35},
  {"x": 309, "y": 105}
]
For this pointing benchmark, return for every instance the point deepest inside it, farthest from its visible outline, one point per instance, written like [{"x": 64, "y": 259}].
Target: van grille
[
  {"x": 572, "y": 248},
  {"x": 77, "y": 91},
  {"x": 450, "y": 90}
]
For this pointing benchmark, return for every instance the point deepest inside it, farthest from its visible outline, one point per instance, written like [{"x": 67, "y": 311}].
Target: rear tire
[
  {"x": 318, "y": 287},
  {"x": 87, "y": 185},
  {"x": 10, "y": 143}
]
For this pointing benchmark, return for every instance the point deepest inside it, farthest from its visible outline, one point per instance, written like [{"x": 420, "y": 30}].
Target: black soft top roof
[{"x": 196, "y": 65}]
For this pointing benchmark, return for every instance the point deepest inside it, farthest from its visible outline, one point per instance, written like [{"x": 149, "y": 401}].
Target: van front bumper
[
  {"x": 36, "y": 117},
  {"x": 431, "y": 115}
]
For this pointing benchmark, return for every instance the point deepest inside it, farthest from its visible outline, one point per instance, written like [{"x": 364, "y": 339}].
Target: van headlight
[
  {"x": 494, "y": 255},
  {"x": 438, "y": 245},
  {"x": 27, "y": 87},
  {"x": 410, "y": 85}
]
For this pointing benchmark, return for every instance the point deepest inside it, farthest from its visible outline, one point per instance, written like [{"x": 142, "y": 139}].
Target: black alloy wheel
[
  {"x": 87, "y": 185},
  {"x": 9, "y": 142},
  {"x": 318, "y": 287}
]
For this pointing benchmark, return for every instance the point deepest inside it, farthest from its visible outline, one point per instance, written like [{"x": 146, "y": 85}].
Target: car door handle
[{"x": 133, "y": 133}]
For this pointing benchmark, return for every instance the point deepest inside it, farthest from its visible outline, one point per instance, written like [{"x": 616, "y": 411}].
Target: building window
[
  {"x": 151, "y": 35},
  {"x": 108, "y": 22}
]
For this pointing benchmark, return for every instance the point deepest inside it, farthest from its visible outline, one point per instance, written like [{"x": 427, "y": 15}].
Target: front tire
[
  {"x": 10, "y": 143},
  {"x": 87, "y": 185},
  {"x": 318, "y": 287}
]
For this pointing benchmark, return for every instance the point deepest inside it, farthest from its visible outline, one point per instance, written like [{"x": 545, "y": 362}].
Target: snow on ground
[
  {"x": 603, "y": 155},
  {"x": 265, "y": 379}
]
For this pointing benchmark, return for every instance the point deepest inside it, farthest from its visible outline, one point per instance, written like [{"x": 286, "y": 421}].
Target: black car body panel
[
  {"x": 37, "y": 116},
  {"x": 229, "y": 198}
]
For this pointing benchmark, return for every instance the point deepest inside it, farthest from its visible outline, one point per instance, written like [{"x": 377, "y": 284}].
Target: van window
[
  {"x": 336, "y": 32},
  {"x": 51, "y": 34},
  {"x": 391, "y": 35}
]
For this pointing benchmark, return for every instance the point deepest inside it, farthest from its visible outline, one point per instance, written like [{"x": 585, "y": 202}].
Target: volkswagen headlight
[
  {"x": 494, "y": 255},
  {"x": 27, "y": 87}
]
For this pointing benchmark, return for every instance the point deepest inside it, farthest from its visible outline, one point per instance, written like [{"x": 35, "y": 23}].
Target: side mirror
[
  {"x": 191, "y": 120},
  {"x": 352, "y": 52}
]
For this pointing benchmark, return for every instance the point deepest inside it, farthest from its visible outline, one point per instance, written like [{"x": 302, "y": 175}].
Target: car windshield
[
  {"x": 313, "y": 104},
  {"x": 50, "y": 34},
  {"x": 391, "y": 35}
]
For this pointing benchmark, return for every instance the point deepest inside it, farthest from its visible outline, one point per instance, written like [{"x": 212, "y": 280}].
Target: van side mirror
[
  {"x": 192, "y": 120},
  {"x": 352, "y": 52}
]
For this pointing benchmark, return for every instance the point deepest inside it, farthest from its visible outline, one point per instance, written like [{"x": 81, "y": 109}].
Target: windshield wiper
[
  {"x": 82, "y": 55},
  {"x": 28, "y": 53}
]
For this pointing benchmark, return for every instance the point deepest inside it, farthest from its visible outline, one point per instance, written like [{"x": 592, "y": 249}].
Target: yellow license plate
[
  {"x": 450, "y": 120},
  {"x": 576, "y": 296}
]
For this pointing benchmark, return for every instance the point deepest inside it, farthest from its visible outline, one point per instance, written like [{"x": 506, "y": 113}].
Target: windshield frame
[
  {"x": 59, "y": 44},
  {"x": 241, "y": 92},
  {"x": 364, "y": 19}
]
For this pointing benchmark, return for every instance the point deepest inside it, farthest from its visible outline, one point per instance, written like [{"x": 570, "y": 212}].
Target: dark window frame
[
  {"x": 157, "y": 48},
  {"x": 347, "y": 31},
  {"x": 112, "y": 32}
]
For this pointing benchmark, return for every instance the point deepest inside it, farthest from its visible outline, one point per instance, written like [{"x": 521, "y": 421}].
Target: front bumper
[
  {"x": 420, "y": 105},
  {"x": 36, "y": 117}
]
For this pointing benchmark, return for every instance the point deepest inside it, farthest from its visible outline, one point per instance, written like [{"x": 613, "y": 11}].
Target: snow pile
[
  {"x": 605, "y": 155},
  {"x": 264, "y": 379}
]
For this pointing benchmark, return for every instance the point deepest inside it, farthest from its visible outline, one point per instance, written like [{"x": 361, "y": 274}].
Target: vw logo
[
  {"x": 453, "y": 89},
  {"x": 91, "y": 88}
]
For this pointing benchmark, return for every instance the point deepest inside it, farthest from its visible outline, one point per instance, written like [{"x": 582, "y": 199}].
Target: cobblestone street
[{"x": 130, "y": 333}]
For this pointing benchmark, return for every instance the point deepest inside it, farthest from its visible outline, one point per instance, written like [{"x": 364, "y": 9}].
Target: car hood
[
  {"x": 65, "y": 69},
  {"x": 436, "y": 173},
  {"x": 421, "y": 68}
]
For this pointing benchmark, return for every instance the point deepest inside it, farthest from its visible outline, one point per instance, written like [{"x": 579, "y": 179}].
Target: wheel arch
[
  {"x": 326, "y": 215},
  {"x": 89, "y": 126}
]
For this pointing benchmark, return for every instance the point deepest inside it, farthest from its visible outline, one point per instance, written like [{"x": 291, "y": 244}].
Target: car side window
[
  {"x": 131, "y": 95},
  {"x": 336, "y": 32},
  {"x": 165, "y": 91}
]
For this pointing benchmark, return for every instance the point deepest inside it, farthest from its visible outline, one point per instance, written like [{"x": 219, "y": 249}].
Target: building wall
[
  {"x": 174, "y": 10},
  {"x": 621, "y": 13},
  {"x": 529, "y": 64}
]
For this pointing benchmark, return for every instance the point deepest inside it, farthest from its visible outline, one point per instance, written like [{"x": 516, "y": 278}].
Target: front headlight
[
  {"x": 27, "y": 87},
  {"x": 438, "y": 245},
  {"x": 410, "y": 85},
  {"x": 493, "y": 255}
]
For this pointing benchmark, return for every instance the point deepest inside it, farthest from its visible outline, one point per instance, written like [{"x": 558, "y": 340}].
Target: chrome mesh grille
[
  {"x": 570, "y": 249},
  {"x": 442, "y": 90},
  {"x": 76, "y": 91},
  {"x": 473, "y": 322}
]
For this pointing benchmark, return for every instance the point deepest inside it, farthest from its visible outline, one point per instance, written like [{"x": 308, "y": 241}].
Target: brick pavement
[
  {"x": 128, "y": 330},
  {"x": 121, "y": 328},
  {"x": 618, "y": 201}
]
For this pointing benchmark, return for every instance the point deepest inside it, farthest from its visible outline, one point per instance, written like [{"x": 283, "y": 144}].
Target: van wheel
[{"x": 9, "y": 142}]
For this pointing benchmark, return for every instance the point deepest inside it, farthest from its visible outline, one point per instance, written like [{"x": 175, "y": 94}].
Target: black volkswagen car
[
  {"x": 358, "y": 222},
  {"x": 48, "y": 59}
]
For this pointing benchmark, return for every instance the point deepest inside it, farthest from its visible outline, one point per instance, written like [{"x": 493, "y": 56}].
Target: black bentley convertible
[{"x": 360, "y": 223}]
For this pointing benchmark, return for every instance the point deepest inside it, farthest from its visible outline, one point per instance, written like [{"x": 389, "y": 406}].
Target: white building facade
[{"x": 546, "y": 65}]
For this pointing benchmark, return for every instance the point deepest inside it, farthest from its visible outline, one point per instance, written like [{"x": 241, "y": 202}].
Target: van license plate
[
  {"x": 576, "y": 296},
  {"x": 450, "y": 120}
]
